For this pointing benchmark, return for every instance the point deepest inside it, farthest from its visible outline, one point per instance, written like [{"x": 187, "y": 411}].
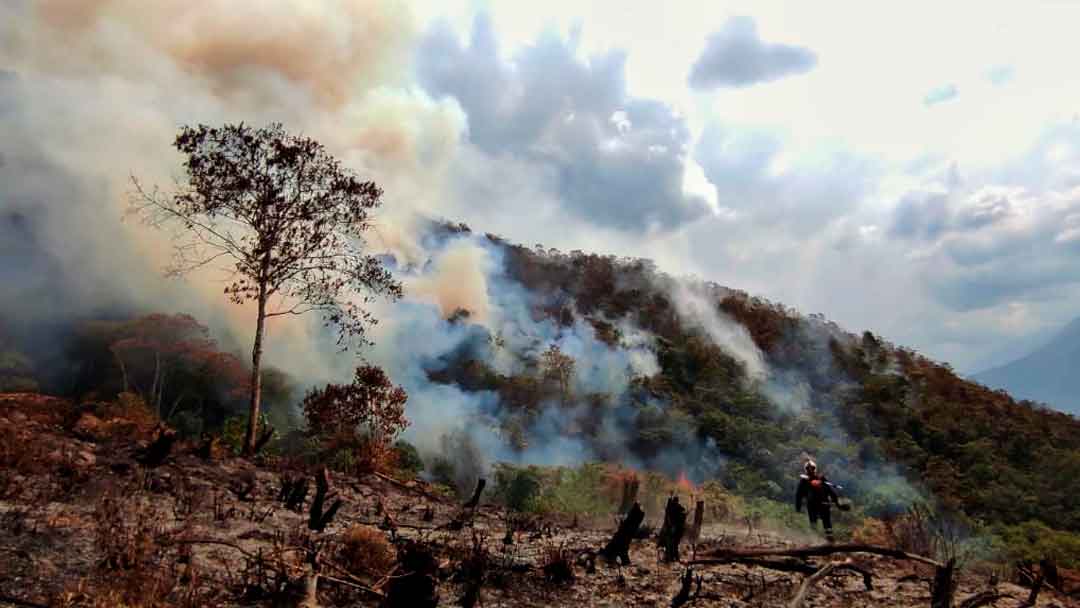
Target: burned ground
[{"x": 86, "y": 523}]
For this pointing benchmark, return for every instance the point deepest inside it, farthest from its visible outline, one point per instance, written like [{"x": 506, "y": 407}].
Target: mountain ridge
[{"x": 1047, "y": 375}]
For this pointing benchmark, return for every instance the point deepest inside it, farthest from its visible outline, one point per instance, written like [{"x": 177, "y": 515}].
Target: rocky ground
[{"x": 89, "y": 518}]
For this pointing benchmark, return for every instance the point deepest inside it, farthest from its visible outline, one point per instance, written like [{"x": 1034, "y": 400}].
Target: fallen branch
[
  {"x": 867, "y": 578},
  {"x": 793, "y": 565},
  {"x": 363, "y": 588},
  {"x": 405, "y": 486},
  {"x": 796, "y": 566},
  {"x": 979, "y": 600},
  {"x": 815, "y": 551},
  {"x": 8, "y": 599},
  {"x": 810, "y": 581}
]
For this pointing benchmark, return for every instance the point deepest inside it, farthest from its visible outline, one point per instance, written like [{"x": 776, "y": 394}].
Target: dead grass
[{"x": 365, "y": 550}]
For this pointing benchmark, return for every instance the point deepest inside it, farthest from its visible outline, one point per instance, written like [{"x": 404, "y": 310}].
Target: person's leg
[
  {"x": 826, "y": 520},
  {"x": 812, "y": 513}
]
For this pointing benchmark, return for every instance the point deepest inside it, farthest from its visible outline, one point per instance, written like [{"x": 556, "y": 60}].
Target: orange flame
[{"x": 685, "y": 485}]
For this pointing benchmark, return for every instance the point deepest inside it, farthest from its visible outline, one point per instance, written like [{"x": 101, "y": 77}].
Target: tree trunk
[
  {"x": 944, "y": 586},
  {"x": 256, "y": 377},
  {"x": 123, "y": 368},
  {"x": 699, "y": 519},
  {"x": 618, "y": 548},
  {"x": 671, "y": 533},
  {"x": 153, "y": 400}
]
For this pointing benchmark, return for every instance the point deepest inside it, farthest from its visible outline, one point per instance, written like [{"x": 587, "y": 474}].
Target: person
[{"x": 816, "y": 490}]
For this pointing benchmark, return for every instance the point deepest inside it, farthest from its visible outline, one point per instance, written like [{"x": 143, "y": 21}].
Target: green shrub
[
  {"x": 235, "y": 429},
  {"x": 517, "y": 487},
  {"x": 1033, "y": 541},
  {"x": 407, "y": 458}
]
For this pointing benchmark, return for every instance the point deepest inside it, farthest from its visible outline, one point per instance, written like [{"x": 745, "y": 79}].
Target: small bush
[
  {"x": 235, "y": 430},
  {"x": 518, "y": 488},
  {"x": 366, "y": 551},
  {"x": 131, "y": 408},
  {"x": 871, "y": 531}
]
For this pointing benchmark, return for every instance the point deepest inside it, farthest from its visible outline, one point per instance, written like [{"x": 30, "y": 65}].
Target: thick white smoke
[{"x": 698, "y": 310}]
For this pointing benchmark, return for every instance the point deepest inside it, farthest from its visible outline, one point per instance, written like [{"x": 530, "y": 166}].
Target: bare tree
[{"x": 286, "y": 220}]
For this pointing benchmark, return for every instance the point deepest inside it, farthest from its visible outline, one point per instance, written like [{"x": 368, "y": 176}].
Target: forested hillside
[{"x": 611, "y": 360}]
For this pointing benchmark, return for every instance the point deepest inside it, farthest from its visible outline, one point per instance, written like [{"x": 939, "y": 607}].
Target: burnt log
[{"x": 618, "y": 548}]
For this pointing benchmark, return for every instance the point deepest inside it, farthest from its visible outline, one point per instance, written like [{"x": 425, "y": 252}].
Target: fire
[{"x": 685, "y": 485}]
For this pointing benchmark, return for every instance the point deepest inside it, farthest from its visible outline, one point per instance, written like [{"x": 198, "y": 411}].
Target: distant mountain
[{"x": 1050, "y": 374}]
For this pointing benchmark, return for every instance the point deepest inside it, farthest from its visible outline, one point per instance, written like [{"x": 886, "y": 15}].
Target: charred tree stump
[
  {"x": 1036, "y": 587},
  {"x": 209, "y": 447},
  {"x": 1050, "y": 574},
  {"x": 684, "y": 596},
  {"x": 944, "y": 586},
  {"x": 630, "y": 487},
  {"x": 475, "y": 500},
  {"x": 319, "y": 518},
  {"x": 699, "y": 519},
  {"x": 468, "y": 510},
  {"x": 157, "y": 452},
  {"x": 414, "y": 582},
  {"x": 618, "y": 548},
  {"x": 293, "y": 493},
  {"x": 671, "y": 533}
]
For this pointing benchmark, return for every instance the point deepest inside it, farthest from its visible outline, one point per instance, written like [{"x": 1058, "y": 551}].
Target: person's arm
[
  {"x": 800, "y": 493},
  {"x": 831, "y": 492}
]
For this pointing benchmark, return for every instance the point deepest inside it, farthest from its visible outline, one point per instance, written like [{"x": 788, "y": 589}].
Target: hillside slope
[{"x": 530, "y": 356}]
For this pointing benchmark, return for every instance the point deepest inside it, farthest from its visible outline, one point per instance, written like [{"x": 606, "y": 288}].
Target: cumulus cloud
[
  {"x": 735, "y": 56},
  {"x": 751, "y": 177},
  {"x": 569, "y": 125},
  {"x": 1001, "y": 236},
  {"x": 941, "y": 94}
]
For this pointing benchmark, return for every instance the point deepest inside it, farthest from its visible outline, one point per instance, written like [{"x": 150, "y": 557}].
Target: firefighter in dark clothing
[{"x": 818, "y": 493}]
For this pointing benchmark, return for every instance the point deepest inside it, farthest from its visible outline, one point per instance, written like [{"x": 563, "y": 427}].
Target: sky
[{"x": 912, "y": 169}]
